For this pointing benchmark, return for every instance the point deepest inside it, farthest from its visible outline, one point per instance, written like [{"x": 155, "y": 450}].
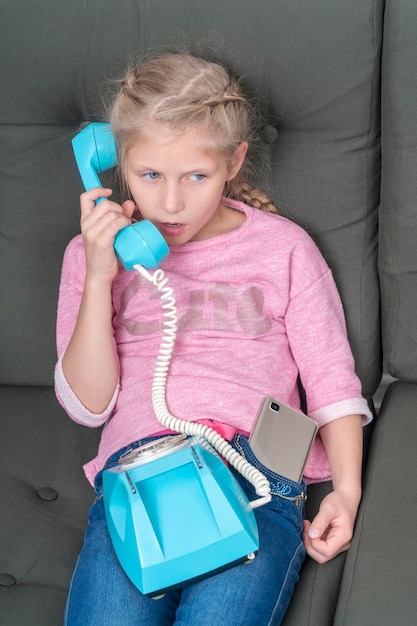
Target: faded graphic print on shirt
[{"x": 218, "y": 307}]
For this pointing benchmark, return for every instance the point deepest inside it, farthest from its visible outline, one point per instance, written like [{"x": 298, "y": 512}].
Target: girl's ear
[{"x": 237, "y": 159}]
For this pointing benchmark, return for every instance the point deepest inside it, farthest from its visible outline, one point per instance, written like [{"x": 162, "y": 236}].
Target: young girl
[{"x": 257, "y": 309}]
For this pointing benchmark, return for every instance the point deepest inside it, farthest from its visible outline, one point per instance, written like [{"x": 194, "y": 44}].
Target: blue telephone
[{"x": 95, "y": 151}]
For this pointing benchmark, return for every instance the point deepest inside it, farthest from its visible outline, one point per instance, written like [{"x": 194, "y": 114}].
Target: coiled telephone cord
[{"x": 169, "y": 333}]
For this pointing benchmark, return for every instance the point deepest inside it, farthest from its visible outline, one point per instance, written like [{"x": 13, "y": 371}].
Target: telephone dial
[
  {"x": 95, "y": 152},
  {"x": 175, "y": 512}
]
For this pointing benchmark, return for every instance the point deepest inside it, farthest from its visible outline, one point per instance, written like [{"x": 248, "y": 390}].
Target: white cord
[{"x": 169, "y": 333}]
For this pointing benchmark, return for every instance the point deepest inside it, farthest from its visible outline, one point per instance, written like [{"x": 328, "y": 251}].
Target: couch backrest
[
  {"x": 316, "y": 71},
  {"x": 398, "y": 215}
]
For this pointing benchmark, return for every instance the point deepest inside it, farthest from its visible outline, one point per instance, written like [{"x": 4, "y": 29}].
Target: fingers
[
  {"x": 329, "y": 534},
  {"x": 128, "y": 207},
  {"x": 105, "y": 218},
  {"x": 89, "y": 198},
  {"x": 325, "y": 547},
  {"x": 99, "y": 225}
]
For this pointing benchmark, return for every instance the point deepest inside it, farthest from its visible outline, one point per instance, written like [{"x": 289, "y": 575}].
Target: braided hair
[{"x": 180, "y": 91}]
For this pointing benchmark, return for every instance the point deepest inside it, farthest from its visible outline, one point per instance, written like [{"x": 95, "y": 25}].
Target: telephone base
[{"x": 178, "y": 517}]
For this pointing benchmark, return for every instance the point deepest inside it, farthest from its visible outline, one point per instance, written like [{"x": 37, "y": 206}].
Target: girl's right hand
[{"x": 99, "y": 225}]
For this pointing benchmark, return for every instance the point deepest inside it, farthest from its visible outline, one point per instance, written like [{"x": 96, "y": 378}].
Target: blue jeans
[{"x": 254, "y": 594}]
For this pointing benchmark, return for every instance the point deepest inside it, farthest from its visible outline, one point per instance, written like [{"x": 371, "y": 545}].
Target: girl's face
[{"x": 179, "y": 187}]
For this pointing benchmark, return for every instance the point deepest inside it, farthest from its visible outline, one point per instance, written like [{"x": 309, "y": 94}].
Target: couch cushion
[{"x": 44, "y": 503}]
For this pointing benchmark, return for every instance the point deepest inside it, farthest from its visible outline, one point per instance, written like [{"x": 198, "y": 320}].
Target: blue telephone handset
[{"x": 95, "y": 152}]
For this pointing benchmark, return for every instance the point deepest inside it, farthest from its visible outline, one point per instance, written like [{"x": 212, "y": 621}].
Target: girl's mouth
[{"x": 172, "y": 230}]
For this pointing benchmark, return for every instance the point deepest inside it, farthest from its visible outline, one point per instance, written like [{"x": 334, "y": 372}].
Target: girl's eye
[
  {"x": 151, "y": 175},
  {"x": 197, "y": 177}
]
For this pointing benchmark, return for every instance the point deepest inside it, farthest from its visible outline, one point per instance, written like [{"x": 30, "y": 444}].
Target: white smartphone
[{"x": 282, "y": 437}]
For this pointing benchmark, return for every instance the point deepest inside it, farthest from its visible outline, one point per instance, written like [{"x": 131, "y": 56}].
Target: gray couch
[{"x": 338, "y": 87}]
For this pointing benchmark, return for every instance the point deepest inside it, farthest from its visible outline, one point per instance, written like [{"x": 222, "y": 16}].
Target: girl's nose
[{"x": 171, "y": 200}]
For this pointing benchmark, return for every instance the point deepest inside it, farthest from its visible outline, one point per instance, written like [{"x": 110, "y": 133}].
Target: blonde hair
[{"x": 181, "y": 91}]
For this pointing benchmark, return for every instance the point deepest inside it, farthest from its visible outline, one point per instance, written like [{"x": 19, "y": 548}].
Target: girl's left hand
[{"x": 331, "y": 530}]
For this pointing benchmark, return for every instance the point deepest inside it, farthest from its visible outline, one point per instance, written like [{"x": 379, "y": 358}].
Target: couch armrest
[{"x": 381, "y": 563}]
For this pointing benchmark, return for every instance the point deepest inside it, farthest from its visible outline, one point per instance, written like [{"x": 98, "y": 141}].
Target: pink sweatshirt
[{"x": 256, "y": 307}]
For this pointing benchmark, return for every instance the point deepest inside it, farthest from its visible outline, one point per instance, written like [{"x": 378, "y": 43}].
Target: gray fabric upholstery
[
  {"x": 379, "y": 582},
  {"x": 398, "y": 215},
  {"x": 316, "y": 67}
]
